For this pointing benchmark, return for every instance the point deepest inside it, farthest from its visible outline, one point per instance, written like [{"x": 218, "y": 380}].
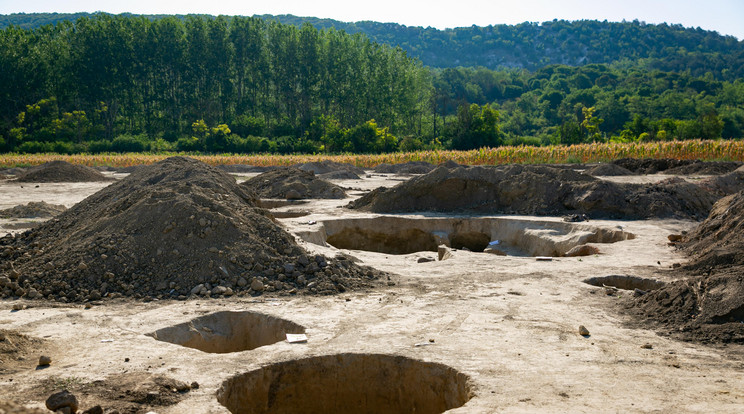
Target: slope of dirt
[
  {"x": 60, "y": 172},
  {"x": 707, "y": 305},
  {"x": 243, "y": 168},
  {"x": 32, "y": 210},
  {"x": 326, "y": 166},
  {"x": 725, "y": 184},
  {"x": 169, "y": 230},
  {"x": 536, "y": 190},
  {"x": 412, "y": 167},
  {"x": 292, "y": 183},
  {"x": 10, "y": 407},
  {"x": 339, "y": 175},
  {"x": 608, "y": 170},
  {"x": 705, "y": 168},
  {"x": 650, "y": 165}
]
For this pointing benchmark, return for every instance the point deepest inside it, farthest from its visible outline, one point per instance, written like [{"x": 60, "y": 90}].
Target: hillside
[{"x": 527, "y": 45}]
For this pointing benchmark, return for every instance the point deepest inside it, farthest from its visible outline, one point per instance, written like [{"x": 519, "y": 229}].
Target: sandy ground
[{"x": 509, "y": 323}]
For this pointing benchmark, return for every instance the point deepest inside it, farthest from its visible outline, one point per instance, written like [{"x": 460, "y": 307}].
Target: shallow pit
[
  {"x": 625, "y": 282},
  {"x": 404, "y": 235},
  {"x": 227, "y": 331},
  {"x": 347, "y": 383}
]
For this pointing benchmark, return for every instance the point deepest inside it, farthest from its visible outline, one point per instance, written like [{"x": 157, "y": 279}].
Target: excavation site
[{"x": 180, "y": 287}]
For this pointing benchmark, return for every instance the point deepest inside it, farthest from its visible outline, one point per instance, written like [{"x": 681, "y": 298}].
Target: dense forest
[{"x": 248, "y": 84}]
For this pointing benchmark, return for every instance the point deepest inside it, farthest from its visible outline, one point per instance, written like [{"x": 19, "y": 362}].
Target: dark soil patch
[
  {"x": 175, "y": 229},
  {"x": 340, "y": 175},
  {"x": 536, "y": 190},
  {"x": 412, "y": 167},
  {"x": 725, "y": 184},
  {"x": 33, "y": 210},
  {"x": 708, "y": 304},
  {"x": 244, "y": 168},
  {"x": 326, "y": 166},
  {"x": 608, "y": 170},
  {"x": 18, "y": 352},
  {"x": 292, "y": 183},
  {"x": 60, "y": 172},
  {"x": 705, "y": 168},
  {"x": 650, "y": 165}
]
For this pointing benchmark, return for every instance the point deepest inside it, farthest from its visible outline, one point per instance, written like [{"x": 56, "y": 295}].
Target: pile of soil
[
  {"x": 708, "y": 303},
  {"x": 412, "y": 167},
  {"x": 60, "y": 172},
  {"x": 725, "y": 184},
  {"x": 705, "y": 168},
  {"x": 650, "y": 165},
  {"x": 292, "y": 184},
  {"x": 339, "y": 175},
  {"x": 536, "y": 190},
  {"x": 608, "y": 170},
  {"x": 33, "y": 210},
  {"x": 327, "y": 166},
  {"x": 243, "y": 168},
  {"x": 169, "y": 230},
  {"x": 10, "y": 407}
]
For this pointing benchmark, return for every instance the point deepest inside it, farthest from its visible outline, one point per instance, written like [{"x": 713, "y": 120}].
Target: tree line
[{"x": 245, "y": 84}]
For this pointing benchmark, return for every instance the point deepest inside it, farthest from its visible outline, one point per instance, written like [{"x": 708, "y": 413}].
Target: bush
[
  {"x": 130, "y": 143},
  {"x": 98, "y": 147},
  {"x": 189, "y": 144}
]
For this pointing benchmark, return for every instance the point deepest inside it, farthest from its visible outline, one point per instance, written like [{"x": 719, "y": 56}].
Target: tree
[{"x": 477, "y": 127}]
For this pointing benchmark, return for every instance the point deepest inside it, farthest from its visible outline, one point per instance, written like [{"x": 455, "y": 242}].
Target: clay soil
[{"x": 504, "y": 328}]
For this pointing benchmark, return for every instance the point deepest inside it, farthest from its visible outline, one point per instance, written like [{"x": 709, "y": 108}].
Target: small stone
[
  {"x": 88, "y": 306},
  {"x": 197, "y": 289},
  {"x": 194, "y": 385},
  {"x": 301, "y": 280},
  {"x": 495, "y": 251},
  {"x": 443, "y": 252},
  {"x": 2, "y": 336},
  {"x": 257, "y": 285},
  {"x": 583, "y": 331},
  {"x": 293, "y": 195},
  {"x": 62, "y": 399},
  {"x": 94, "y": 410},
  {"x": 18, "y": 306},
  {"x": 424, "y": 260},
  {"x": 242, "y": 282},
  {"x": 82, "y": 266},
  {"x": 674, "y": 238},
  {"x": 219, "y": 290},
  {"x": 647, "y": 346},
  {"x": 45, "y": 360},
  {"x": 583, "y": 250}
]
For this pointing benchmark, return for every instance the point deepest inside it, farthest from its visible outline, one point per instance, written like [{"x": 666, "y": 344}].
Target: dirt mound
[
  {"x": 708, "y": 305},
  {"x": 10, "y": 407},
  {"x": 412, "y": 167},
  {"x": 650, "y": 165},
  {"x": 33, "y": 210},
  {"x": 169, "y": 230},
  {"x": 243, "y": 168},
  {"x": 705, "y": 168},
  {"x": 326, "y": 166},
  {"x": 60, "y": 172},
  {"x": 292, "y": 183},
  {"x": 725, "y": 184},
  {"x": 536, "y": 190},
  {"x": 608, "y": 170},
  {"x": 339, "y": 175}
]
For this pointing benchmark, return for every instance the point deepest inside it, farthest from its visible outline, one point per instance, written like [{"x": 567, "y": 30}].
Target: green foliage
[{"x": 476, "y": 127}]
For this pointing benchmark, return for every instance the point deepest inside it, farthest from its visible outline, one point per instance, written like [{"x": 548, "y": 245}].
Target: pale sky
[{"x": 724, "y": 16}]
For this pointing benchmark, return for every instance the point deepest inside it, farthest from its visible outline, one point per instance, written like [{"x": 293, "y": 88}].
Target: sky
[{"x": 724, "y": 16}]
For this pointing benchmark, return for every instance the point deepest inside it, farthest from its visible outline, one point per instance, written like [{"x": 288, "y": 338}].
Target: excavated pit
[
  {"x": 625, "y": 282},
  {"x": 347, "y": 383},
  {"x": 516, "y": 237},
  {"x": 224, "y": 332}
]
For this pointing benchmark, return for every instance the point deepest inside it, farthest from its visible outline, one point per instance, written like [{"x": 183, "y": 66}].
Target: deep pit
[
  {"x": 516, "y": 237},
  {"x": 347, "y": 383},
  {"x": 224, "y": 332},
  {"x": 625, "y": 282}
]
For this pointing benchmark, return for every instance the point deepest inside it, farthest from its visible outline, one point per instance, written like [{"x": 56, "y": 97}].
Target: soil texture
[
  {"x": 60, "y": 172},
  {"x": 292, "y": 183},
  {"x": 33, "y": 210},
  {"x": 412, "y": 167},
  {"x": 725, "y": 184},
  {"x": 608, "y": 170},
  {"x": 327, "y": 166}
]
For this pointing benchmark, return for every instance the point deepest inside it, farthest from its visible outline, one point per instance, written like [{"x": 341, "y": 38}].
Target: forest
[{"x": 106, "y": 83}]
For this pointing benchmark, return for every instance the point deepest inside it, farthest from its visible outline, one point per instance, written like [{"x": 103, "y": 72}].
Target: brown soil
[
  {"x": 413, "y": 167},
  {"x": 536, "y": 190},
  {"x": 60, "y": 172},
  {"x": 18, "y": 351},
  {"x": 10, "y": 407},
  {"x": 339, "y": 175},
  {"x": 705, "y": 168},
  {"x": 608, "y": 170},
  {"x": 676, "y": 167},
  {"x": 708, "y": 303},
  {"x": 292, "y": 183},
  {"x": 326, "y": 166},
  {"x": 170, "y": 230},
  {"x": 33, "y": 210}
]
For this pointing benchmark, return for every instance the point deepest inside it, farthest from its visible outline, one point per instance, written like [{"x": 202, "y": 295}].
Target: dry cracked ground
[{"x": 475, "y": 333}]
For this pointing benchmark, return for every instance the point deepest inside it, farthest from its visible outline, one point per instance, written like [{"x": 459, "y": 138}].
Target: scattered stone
[
  {"x": 257, "y": 285},
  {"x": 583, "y": 331},
  {"x": 583, "y": 250},
  {"x": 45, "y": 360},
  {"x": 62, "y": 399},
  {"x": 443, "y": 252}
]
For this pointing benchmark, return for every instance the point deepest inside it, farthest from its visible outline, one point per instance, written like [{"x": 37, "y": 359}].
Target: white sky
[{"x": 724, "y": 16}]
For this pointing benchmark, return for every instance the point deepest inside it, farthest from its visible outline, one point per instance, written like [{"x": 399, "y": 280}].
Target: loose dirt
[
  {"x": 413, "y": 167},
  {"x": 608, "y": 170},
  {"x": 536, "y": 190},
  {"x": 326, "y": 166},
  {"x": 292, "y": 183},
  {"x": 33, "y": 210},
  {"x": 60, "y": 172}
]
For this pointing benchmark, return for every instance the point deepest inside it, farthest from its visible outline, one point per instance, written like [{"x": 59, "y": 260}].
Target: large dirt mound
[
  {"x": 60, "y": 172},
  {"x": 412, "y": 167},
  {"x": 33, "y": 210},
  {"x": 243, "y": 168},
  {"x": 708, "y": 304},
  {"x": 292, "y": 183},
  {"x": 705, "y": 168},
  {"x": 608, "y": 170},
  {"x": 326, "y": 166},
  {"x": 169, "y": 230},
  {"x": 650, "y": 165},
  {"x": 725, "y": 184},
  {"x": 536, "y": 190}
]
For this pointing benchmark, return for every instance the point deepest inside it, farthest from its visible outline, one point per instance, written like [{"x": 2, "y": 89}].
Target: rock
[
  {"x": 62, "y": 399},
  {"x": 219, "y": 290},
  {"x": 443, "y": 252},
  {"x": 197, "y": 289},
  {"x": 257, "y": 285},
  {"x": 293, "y": 195},
  {"x": 94, "y": 410},
  {"x": 45, "y": 360},
  {"x": 583, "y": 331},
  {"x": 675, "y": 238},
  {"x": 424, "y": 260},
  {"x": 194, "y": 385},
  {"x": 2, "y": 336},
  {"x": 583, "y": 250},
  {"x": 301, "y": 280},
  {"x": 242, "y": 282},
  {"x": 492, "y": 250},
  {"x": 647, "y": 346},
  {"x": 82, "y": 266},
  {"x": 18, "y": 306}
]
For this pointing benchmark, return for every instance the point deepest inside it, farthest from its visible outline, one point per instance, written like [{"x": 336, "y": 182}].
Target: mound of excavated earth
[
  {"x": 536, "y": 190},
  {"x": 608, "y": 170},
  {"x": 33, "y": 210},
  {"x": 293, "y": 184},
  {"x": 327, "y": 166},
  {"x": 412, "y": 167},
  {"x": 725, "y": 184},
  {"x": 705, "y": 168},
  {"x": 60, "y": 172},
  {"x": 709, "y": 305},
  {"x": 170, "y": 230},
  {"x": 676, "y": 167}
]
